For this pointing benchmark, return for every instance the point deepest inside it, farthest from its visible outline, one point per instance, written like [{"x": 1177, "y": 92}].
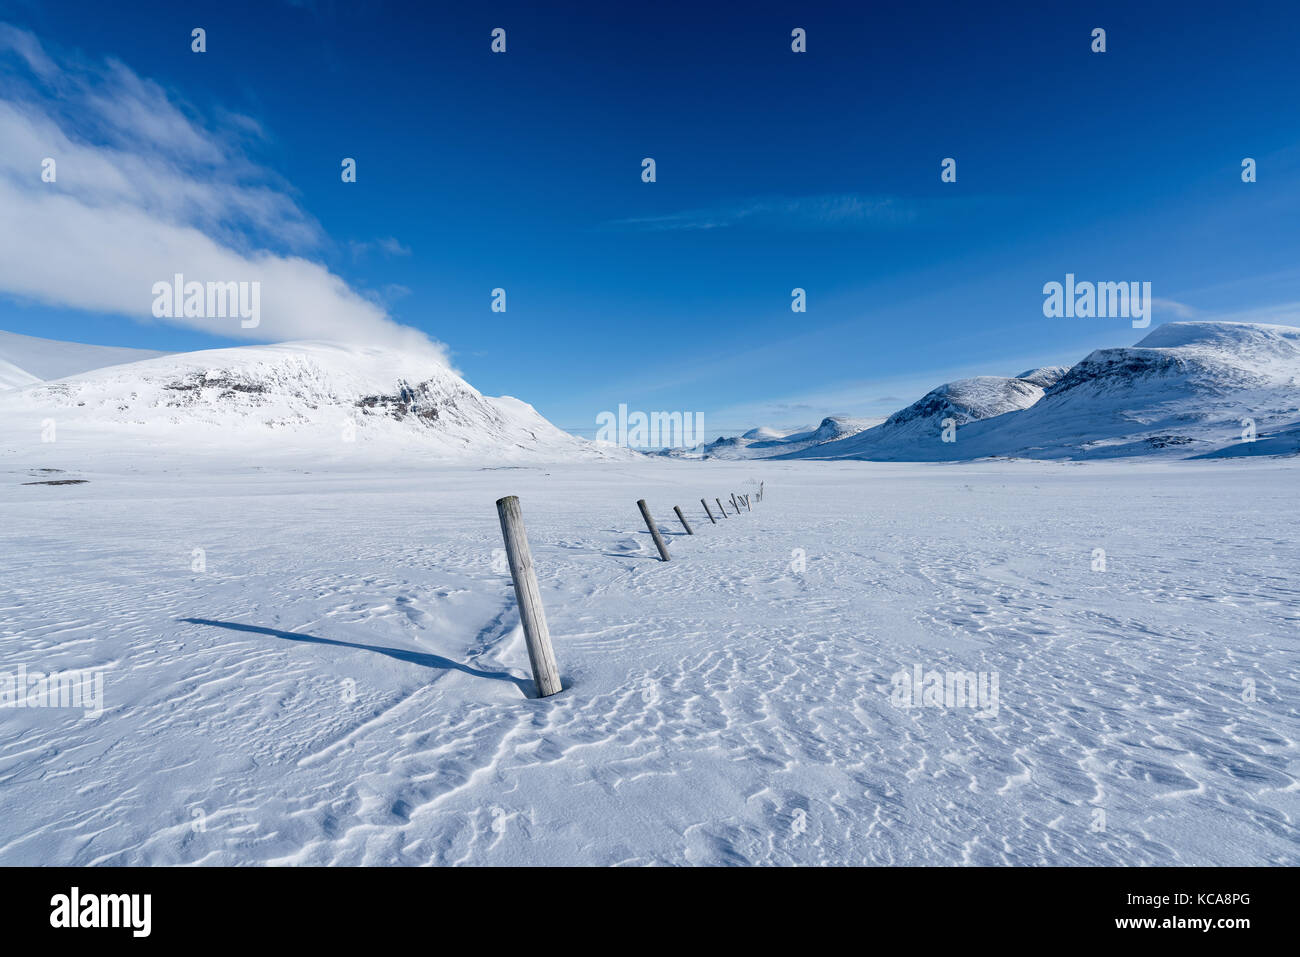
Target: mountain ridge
[
  {"x": 307, "y": 393},
  {"x": 1186, "y": 388}
]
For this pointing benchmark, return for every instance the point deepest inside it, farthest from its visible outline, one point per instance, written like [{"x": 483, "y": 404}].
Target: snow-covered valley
[
  {"x": 285, "y": 566},
  {"x": 345, "y": 681},
  {"x": 622, "y": 438}
]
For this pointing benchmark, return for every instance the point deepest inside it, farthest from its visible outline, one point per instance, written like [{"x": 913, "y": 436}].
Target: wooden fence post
[
  {"x": 760, "y": 491},
  {"x": 682, "y": 517},
  {"x": 536, "y": 634},
  {"x": 654, "y": 530},
  {"x": 747, "y": 506},
  {"x": 734, "y": 503},
  {"x": 721, "y": 508},
  {"x": 707, "y": 512}
]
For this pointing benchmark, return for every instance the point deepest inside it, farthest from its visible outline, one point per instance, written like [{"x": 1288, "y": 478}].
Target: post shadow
[{"x": 423, "y": 659}]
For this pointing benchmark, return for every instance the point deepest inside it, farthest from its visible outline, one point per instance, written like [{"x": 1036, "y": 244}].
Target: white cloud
[
  {"x": 388, "y": 245},
  {"x": 29, "y": 49},
  {"x": 145, "y": 189},
  {"x": 1179, "y": 309}
]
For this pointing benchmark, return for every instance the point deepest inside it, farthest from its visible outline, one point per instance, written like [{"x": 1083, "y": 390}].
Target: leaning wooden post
[
  {"x": 747, "y": 507},
  {"x": 685, "y": 524},
  {"x": 721, "y": 507},
  {"x": 654, "y": 530},
  {"x": 536, "y": 635},
  {"x": 708, "y": 513},
  {"x": 734, "y": 503}
]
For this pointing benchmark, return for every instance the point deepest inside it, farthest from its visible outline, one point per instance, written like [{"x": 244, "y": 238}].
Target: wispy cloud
[
  {"x": 145, "y": 188},
  {"x": 1173, "y": 306},
  {"x": 388, "y": 245},
  {"x": 28, "y": 48},
  {"x": 847, "y": 210}
]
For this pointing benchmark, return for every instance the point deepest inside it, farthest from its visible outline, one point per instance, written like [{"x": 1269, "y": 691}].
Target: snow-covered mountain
[
  {"x": 1044, "y": 378},
  {"x": 766, "y": 442},
  {"x": 298, "y": 394},
  {"x": 1188, "y": 388},
  {"x": 25, "y": 360},
  {"x": 960, "y": 402},
  {"x": 12, "y": 377}
]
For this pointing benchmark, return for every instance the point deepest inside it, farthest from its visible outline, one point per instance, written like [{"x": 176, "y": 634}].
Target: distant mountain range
[
  {"x": 1190, "y": 389},
  {"x": 767, "y": 442}
]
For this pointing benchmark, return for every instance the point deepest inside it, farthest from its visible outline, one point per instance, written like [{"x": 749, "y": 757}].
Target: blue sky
[{"x": 774, "y": 170}]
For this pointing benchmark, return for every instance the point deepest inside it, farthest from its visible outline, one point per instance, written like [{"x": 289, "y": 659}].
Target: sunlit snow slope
[
  {"x": 300, "y": 394},
  {"x": 40, "y": 359},
  {"x": 1187, "y": 389}
]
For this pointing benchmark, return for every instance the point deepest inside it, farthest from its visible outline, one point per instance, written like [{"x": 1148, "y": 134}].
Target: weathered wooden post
[
  {"x": 721, "y": 508},
  {"x": 685, "y": 524},
  {"x": 654, "y": 530},
  {"x": 536, "y": 635},
  {"x": 760, "y": 491},
  {"x": 708, "y": 513},
  {"x": 747, "y": 506},
  {"x": 734, "y": 503}
]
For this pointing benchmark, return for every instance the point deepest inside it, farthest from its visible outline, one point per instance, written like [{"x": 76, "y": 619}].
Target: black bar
[{"x": 942, "y": 907}]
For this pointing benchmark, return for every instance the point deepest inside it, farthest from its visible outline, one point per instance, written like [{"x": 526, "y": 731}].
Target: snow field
[{"x": 346, "y": 681}]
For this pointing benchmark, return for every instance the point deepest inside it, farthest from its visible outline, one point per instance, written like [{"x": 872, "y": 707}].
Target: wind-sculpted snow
[{"x": 345, "y": 682}]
